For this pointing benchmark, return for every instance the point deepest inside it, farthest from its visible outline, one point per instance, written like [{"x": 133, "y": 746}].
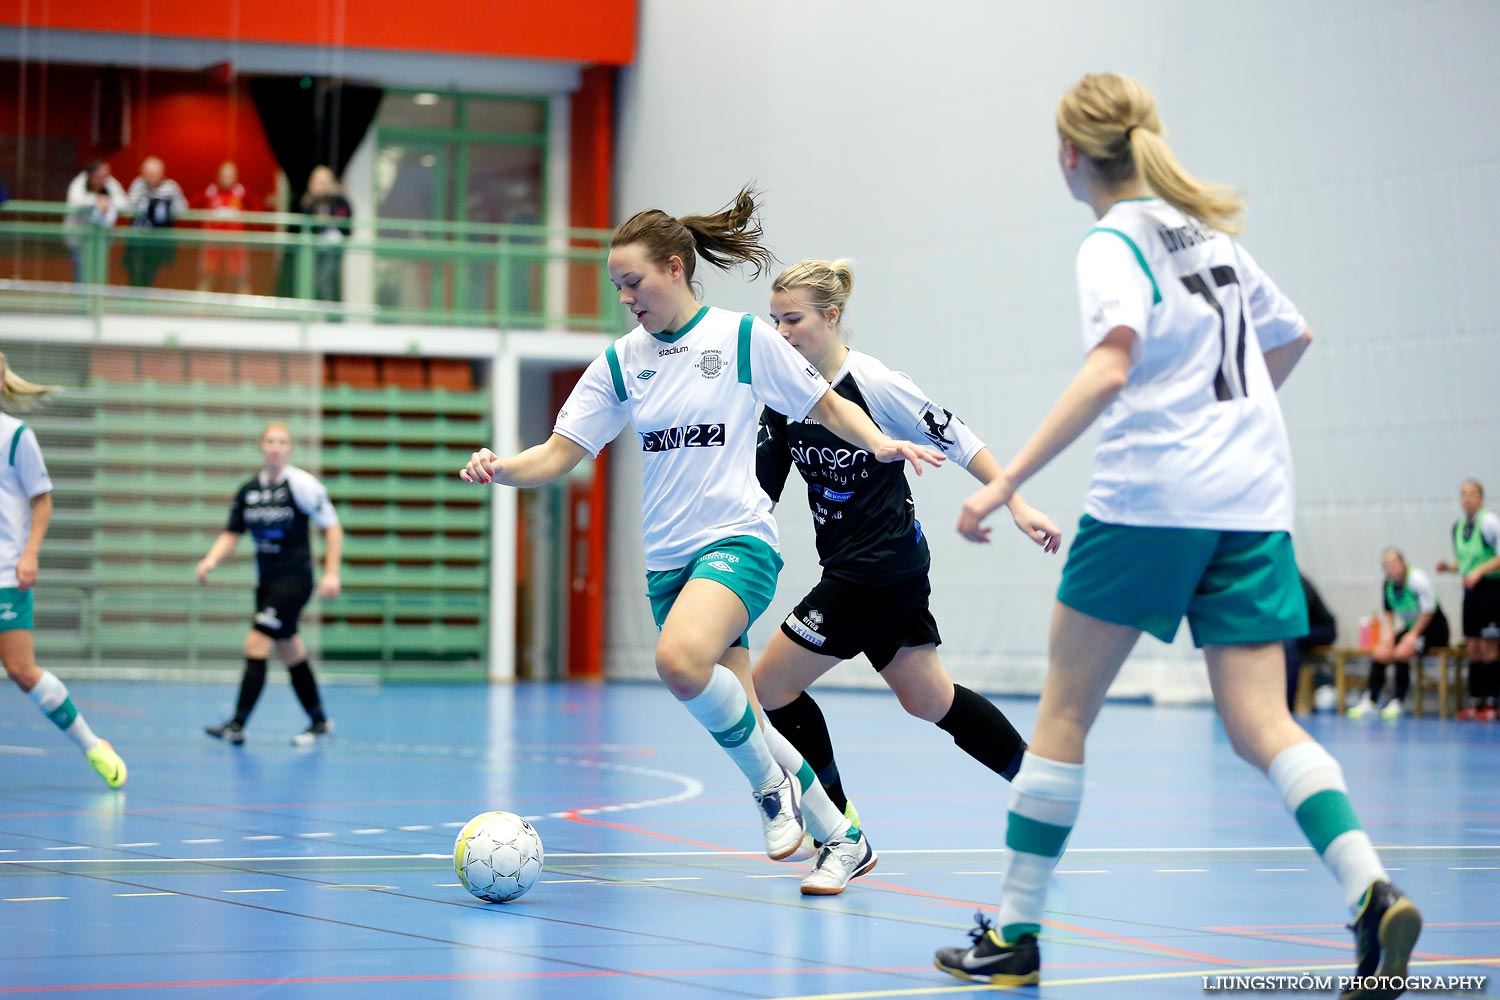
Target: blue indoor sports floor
[{"x": 265, "y": 871}]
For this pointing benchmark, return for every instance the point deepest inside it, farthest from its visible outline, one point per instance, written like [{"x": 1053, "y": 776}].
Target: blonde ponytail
[
  {"x": 1112, "y": 120},
  {"x": 16, "y": 393}
]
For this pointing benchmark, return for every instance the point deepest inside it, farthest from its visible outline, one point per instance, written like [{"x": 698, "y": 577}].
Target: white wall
[{"x": 920, "y": 141}]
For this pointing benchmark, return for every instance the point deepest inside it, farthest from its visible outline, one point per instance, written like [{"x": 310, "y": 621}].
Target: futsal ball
[
  {"x": 498, "y": 856},
  {"x": 1325, "y": 699}
]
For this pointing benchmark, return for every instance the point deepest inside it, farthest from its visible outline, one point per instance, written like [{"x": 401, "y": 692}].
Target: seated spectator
[
  {"x": 156, "y": 202},
  {"x": 1321, "y": 629},
  {"x": 1418, "y": 623},
  {"x": 94, "y": 198},
  {"x": 225, "y": 198}
]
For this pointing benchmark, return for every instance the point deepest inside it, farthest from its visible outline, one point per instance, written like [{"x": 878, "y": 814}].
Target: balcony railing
[{"x": 386, "y": 270}]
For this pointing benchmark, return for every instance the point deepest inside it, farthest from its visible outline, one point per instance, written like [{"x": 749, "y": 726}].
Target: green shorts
[
  {"x": 743, "y": 563},
  {"x": 15, "y": 609},
  {"x": 1235, "y": 587}
]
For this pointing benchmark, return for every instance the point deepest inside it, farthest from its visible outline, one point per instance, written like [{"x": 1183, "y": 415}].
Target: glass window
[
  {"x": 403, "y": 109},
  {"x": 488, "y": 114}
]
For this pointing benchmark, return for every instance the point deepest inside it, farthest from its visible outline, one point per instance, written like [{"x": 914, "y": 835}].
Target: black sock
[
  {"x": 1403, "y": 681},
  {"x": 306, "y": 687},
  {"x": 1377, "y": 680},
  {"x": 252, "y": 682},
  {"x": 1489, "y": 674},
  {"x": 1477, "y": 681},
  {"x": 983, "y": 732},
  {"x": 803, "y": 725}
]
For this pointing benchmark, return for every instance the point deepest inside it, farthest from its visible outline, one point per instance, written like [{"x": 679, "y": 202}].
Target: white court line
[
  {"x": 22, "y": 751},
  {"x": 77, "y": 847},
  {"x": 1286, "y": 869},
  {"x": 144, "y": 843},
  {"x": 265, "y": 836},
  {"x": 319, "y": 834},
  {"x": 413, "y": 829},
  {"x": 372, "y": 829},
  {"x": 1081, "y": 871},
  {"x": 1072, "y": 851},
  {"x": 1170, "y": 871},
  {"x": 204, "y": 840}
]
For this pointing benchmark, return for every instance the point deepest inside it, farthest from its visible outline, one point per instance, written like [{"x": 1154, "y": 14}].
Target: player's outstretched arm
[
  {"x": 854, "y": 425},
  {"x": 1032, "y": 523},
  {"x": 1105, "y": 372},
  {"x": 533, "y": 467}
]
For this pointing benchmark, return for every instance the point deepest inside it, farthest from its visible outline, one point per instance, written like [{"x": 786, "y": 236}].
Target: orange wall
[{"x": 589, "y": 31}]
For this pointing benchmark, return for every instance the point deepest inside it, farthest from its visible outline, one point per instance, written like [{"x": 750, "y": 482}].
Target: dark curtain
[{"x": 311, "y": 121}]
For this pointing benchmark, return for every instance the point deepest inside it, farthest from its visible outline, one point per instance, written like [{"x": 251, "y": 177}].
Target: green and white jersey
[
  {"x": 1475, "y": 540},
  {"x": 1195, "y": 439},
  {"x": 23, "y": 477},
  {"x": 691, "y": 397},
  {"x": 1410, "y": 600}
]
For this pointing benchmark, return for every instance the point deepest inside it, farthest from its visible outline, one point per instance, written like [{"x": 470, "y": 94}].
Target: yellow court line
[
  {"x": 31, "y": 899},
  {"x": 1134, "y": 978}
]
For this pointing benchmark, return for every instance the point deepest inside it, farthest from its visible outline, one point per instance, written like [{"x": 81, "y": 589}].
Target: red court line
[{"x": 908, "y": 891}]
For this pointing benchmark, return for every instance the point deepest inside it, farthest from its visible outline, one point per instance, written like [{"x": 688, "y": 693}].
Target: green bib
[
  {"x": 1472, "y": 549},
  {"x": 1403, "y": 604}
]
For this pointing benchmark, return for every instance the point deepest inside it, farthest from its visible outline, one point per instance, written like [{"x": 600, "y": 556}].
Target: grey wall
[{"x": 920, "y": 141}]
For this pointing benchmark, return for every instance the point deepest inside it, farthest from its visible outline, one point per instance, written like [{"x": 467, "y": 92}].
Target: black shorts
[
  {"x": 844, "y": 619},
  {"x": 1482, "y": 610},
  {"x": 1435, "y": 635},
  {"x": 278, "y": 604}
]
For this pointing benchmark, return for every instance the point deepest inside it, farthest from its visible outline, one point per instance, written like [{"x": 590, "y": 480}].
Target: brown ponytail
[{"x": 729, "y": 237}]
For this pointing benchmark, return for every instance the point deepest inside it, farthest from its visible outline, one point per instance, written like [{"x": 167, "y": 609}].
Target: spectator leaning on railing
[
  {"x": 95, "y": 198},
  {"x": 156, "y": 202},
  {"x": 331, "y": 221}
]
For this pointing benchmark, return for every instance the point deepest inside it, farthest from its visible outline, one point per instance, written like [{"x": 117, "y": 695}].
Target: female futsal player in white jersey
[
  {"x": 872, "y": 599},
  {"x": 25, "y": 513},
  {"x": 688, "y": 379},
  {"x": 1189, "y": 513}
]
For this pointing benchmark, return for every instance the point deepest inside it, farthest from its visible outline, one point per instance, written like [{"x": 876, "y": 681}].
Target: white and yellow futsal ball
[{"x": 498, "y": 856}]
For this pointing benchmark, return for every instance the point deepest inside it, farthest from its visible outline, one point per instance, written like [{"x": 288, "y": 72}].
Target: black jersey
[
  {"x": 277, "y": 515},
  {"x": 863, "y": 512}
]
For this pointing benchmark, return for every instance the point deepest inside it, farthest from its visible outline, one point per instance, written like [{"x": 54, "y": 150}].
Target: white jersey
[
  {"x": 691, "y": 397},
  {"x": 1195, "y": 438},
  {"x": 23, "y": 477}
]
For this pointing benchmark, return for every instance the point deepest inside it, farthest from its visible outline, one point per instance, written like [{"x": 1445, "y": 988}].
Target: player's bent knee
[{"x": 682, "y": 669}]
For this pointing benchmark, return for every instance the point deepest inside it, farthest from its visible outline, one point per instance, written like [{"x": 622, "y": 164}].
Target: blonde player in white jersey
[
  {"x": 1189, "y": 514},
  {"x": 688, "y": 378},
  {"x": 25, "y": 513}
]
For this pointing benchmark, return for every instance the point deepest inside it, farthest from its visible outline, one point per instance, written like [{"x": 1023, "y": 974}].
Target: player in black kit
[
  {"x": 873, "y": 596},
  {"x": 275, "y": 506}
]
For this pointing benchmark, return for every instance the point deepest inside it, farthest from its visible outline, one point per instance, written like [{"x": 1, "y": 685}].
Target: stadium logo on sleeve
[{"x": 710, "y": 364}]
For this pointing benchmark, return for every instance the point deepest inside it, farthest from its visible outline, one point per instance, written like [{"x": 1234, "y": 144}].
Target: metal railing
[{"x": 506, "y": 276}]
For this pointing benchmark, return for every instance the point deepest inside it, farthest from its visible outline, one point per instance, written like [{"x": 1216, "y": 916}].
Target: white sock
[
  {"x": 1311, "y": 783},
  {"x": 723, "y": 709},
  {"x": 824, "y": 821},
  {"x": 1045, "y": 797},
  {"x": 51, "y": 696}
]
